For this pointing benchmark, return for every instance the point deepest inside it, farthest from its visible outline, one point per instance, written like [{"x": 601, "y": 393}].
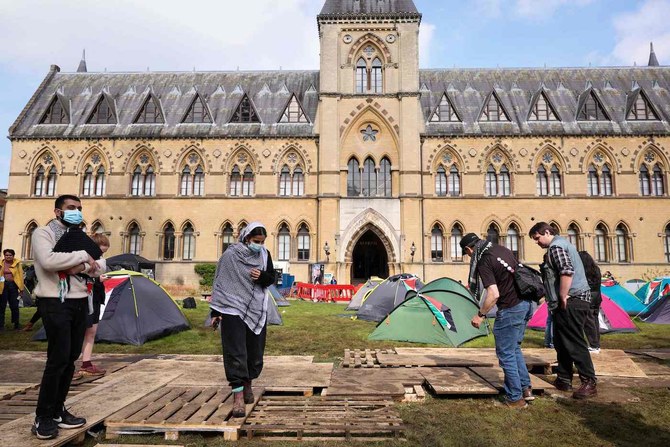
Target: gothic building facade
[{"x": 369, "y": 165}]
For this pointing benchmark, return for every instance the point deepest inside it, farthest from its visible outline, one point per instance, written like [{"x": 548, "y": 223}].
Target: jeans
[
  {"x": 508, "y": 330},
  {"x": 549, "y": 332},
  {"x": 65, "y": 324},
  {"x": 242, "y": 350},
  {"x": 10, "y": 295}
]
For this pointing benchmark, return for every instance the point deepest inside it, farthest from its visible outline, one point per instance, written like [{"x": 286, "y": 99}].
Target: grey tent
[
  {"x": 360, "y": 294},
  {"x": 658, "y": 312},
  {"x": 278, "y": 297},
  {"x": 136, "y": 310},
  {"x": 386, "y": 296}
]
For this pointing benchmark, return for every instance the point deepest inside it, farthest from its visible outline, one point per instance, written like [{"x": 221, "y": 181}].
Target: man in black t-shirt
[{"x": 493, "y": 266}]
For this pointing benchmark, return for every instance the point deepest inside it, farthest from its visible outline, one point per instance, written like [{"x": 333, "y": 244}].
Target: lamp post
[
  {"x": 326, "y": 249},
  {"x": 412, "y": 250}
]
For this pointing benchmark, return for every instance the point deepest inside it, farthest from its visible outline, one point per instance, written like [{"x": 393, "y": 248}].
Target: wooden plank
[
  {"x": 190, "y": 408},
  {"x": 210, "y": 407},
  {"x": 152, "y": 407},
  {"x": 8, "y": 390},
  {"x": 95, "y": 405},
  {"x": 615, "y": 363},
  {"x": 140, "y": 404},
  {"x": 394, "y": 360},
  {"x": 496, "y": 378},
  {"x": 456, "y": 381},
  {"x": 174, "y": 406},
  {"x": 372, "y": 382},
  {"x": 660, "y": 354}
]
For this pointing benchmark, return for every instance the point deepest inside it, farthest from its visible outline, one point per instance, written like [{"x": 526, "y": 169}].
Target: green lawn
[{"x": 318, "y": 329}]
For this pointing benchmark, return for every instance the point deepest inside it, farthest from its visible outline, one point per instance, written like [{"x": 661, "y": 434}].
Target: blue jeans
[{"x": 508, "y": 331}]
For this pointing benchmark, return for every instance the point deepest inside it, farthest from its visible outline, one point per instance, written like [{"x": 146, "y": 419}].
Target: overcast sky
[{"x": 162, "y": 35}]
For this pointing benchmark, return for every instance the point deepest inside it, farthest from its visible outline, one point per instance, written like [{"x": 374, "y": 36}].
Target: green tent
[{"x": 439, "y": 313}]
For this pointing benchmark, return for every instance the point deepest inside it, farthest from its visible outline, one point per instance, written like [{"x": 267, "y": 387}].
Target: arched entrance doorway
[{"x": 369, "y": 258}]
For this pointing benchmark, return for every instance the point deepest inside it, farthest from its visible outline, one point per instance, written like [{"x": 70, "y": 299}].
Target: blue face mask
[
  {"x": 72, "y": 217},
  {"x": 256, "y": 248}
]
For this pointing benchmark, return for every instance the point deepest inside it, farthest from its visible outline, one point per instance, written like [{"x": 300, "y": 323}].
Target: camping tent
[
  {"x": 280, "y": 300},
  {"x": 135, "y": 263},
  {"x": 659, "y": 311},
  {"x": 654, "y": 289},
  {"x": 620, "y": 295},
  {"x": 633, "y": 285},
  {"x": 360, "y": 294},
  {"x": 137, "y": 309},
  {"x": 612, "y": 318},
  {"x": 387, "y": 295},
  {"x": 439, "y": 313}
]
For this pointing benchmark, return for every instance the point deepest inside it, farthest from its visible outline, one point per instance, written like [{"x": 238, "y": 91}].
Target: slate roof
[
  {"x": 269, "y": 91},
  {"x": 345, "y": 8},
  {"x": 566, "y": 89}
]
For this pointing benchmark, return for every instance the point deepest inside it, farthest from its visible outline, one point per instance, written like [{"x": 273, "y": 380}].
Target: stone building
[{"x": 369, "y": 165}]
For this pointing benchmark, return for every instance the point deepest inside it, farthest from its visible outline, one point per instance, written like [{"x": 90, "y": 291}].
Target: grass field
[{"x": 321, "y": 330}]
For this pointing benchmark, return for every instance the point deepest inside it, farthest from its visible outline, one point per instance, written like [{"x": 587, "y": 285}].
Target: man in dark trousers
[
  {"x": 569, "y": 300},
  {"x": 491, "y": 268},
  {"x": 63, "y": 305}
]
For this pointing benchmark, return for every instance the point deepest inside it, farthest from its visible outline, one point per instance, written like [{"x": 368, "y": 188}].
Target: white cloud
[
  {"x": 544, "y": 9},
  {"x": 161, "y": 34},
  {"x": 426, "y": 34},
  {"x": 487, "y": 8},
  {"x": 634, "y": 31}
]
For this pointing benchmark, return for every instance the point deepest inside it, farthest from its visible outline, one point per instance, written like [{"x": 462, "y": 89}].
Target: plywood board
[
  {"x": 534, "y": 357},
  {"x": 496, "y": 378},
  {"x": 616, "y": 363},
  {"x": 394, "y": 360},
  {"x": 95, "y": 405},
  {"x": 455, "y": 381},
  {"x": 373, "y": 382},
  {"x": 660, "y": 354}
]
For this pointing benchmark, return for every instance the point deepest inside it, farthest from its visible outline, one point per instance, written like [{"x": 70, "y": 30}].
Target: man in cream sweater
[{"x": 63, "y": 313}]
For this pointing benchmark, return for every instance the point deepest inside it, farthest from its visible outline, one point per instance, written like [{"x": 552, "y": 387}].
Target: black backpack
[
  {"x": 189, "y": 303},
  {"x": 528, "y": 282}
]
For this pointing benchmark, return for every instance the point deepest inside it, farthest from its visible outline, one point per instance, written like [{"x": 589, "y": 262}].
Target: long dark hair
[{"x": 590, "y": 268}]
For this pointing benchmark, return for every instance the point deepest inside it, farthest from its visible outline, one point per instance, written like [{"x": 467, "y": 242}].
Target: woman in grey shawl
[{"x": 240, "y": 305}]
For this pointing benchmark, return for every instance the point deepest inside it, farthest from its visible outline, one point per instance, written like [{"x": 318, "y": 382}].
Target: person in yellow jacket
[{"x": 11, "y": 284}]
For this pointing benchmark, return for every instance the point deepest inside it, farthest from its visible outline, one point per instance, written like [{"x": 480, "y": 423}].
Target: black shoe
[
  {"x": 67, "y": 420},
  {"x": 44, "y": 428}
]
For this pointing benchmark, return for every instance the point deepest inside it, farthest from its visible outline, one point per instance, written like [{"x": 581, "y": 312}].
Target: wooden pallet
[
  {"x": 172, "y": 410},
  {"x": 321, "y": 418},
  {"x": 363, "y": 358}
]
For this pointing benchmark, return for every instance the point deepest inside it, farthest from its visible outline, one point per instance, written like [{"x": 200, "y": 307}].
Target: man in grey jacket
[
  {"x": 63, "y": 305},
  {"x": 568, "y": 299}
]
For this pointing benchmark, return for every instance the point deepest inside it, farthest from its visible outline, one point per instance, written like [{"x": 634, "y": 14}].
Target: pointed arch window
[
  {"x": 186, "y": 181},
  {"x": 512, "y": 240},
  {"x": 369, "y": 74},
  {"x": 97, "y": 228},
  {"x": 248, "y": 180},
  {"x": 150, "y": 113},
  {"x": 27, "y": 250},
  {"x": 245, "y": 112},
  {"x": 55, "y": 113},
  {"x": 542, "y": 181},
  {"x": 227, "y": 238},
  {"x": 192, "y": 182},
  {"x": 493, "y": 111},
  {"x": 504, "y": 181},
  {"x": 376, "y": 80},
  {"x": 361, "y": 76},
  {"x": 555, "y": 181},
  {"x": 199, "y": 181},
  {"x": 606, "y": 181},
  {"x": 284, "y": 242},
  {"x": 592, "y": 110},
  {"x": 143, "y": 182},
  {"x": 298, "y": 182},
  {"x": 293, "y": 112},
  {"x": 441, "y": 182},
  {"x": 353, "y": 178},
  {"x": 369, "y": 178},
  {"x": 436, "y": 244},
  {"x": 168, "y": 242},
  {"x": 38, "y": 189},
  {"x": 102, "y": 113},
  {"x": 445, "y": 112},
  {"x": 657, "y": 181},
  {"x": 384, "y": 178},
  {"x": 87, "y": 185},
  {"x": 493, "y": 234},
  {"x": 491, "y": 181},
  {"x": 137, "y": 182},
  {"x": 666, "y": 243},
  {"x": 51, "y": 182},
  {"x": 150, "y": 182},
  {"x": 100, "y": 182},
  {"x": 188, "y": 244},
  {"x": 455, "y": 242},
  {"x": 303, "y": 243},
  {"x": 197, "y": 112},
  {"x": 641, "y": 110},
  {"x": 134, "y": 244},
  {"x": 573, "y": 236},
  {"x": 285, "y": 181},
  {"x": 235, "y": 182},
  {"x": 592, "y": 181},
  {"x": 454, "y": 182},
  {"x": 542, "y": 110},
  {"x": 600, "y": 244},
  {"x": 622, "y": 244},
  {"x": 645, "y": 181}
]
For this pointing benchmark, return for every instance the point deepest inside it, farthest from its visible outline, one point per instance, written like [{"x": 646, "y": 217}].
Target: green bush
[{"x": 206, "y": 271}]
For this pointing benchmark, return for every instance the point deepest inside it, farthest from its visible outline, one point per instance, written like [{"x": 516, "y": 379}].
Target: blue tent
[
  {"x": 620, "y": 295},
  {"x": 653, "y": 290}
]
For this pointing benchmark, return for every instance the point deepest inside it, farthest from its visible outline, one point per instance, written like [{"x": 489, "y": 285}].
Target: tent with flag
[
  {"x": 386, "y": 296},
  {"x": 620, "y": 295},
  {"x": 653, "y": 290},
  {"x": 137, "y": 309},
  {"x": 439, "y": 313},
  {"x": 612, "y": 318},
  {"x": 362, "y": 292}
]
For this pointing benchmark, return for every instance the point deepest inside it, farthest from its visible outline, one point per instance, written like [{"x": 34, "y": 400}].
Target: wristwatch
[{"x": 481, "y": 315}]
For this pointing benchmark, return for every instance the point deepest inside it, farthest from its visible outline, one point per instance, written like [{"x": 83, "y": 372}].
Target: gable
[
  {"x": 102, "y": 113},
  {"x": 493, "y": 110},
  {"x": 56, "y": 113},
  {"x": 150, "y": 113},
  {"x": 197, "y": 112},
  {"x": 245, "y": 112},
  {"x": 293, "y": 113},
  {"x": 591, "y": 109}
]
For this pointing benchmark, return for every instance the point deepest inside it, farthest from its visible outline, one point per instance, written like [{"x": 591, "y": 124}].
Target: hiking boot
[
  {"x": 248, "y": 393},
  {"x": 516, "y": 405},
  {"x": 67, "y": 420},
  {"x": 44, "y": 428},
  {"x": 93, "y": 371},
  {"x": 239, "y": 409},
  {"x": 528, "y": 394},
  {"x": 562, "y": 385},
  {"x": 586, "y": 390}
]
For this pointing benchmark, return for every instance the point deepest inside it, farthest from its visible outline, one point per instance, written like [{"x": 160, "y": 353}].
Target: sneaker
[
  {"x": 594, "y": 350},
  {"x": 516, "y": 405},
  {"x": 528, "y": 394},
  {"x": 67, "y": 420},
  {"x": 93, "y": 371},
  {"x": 44, "y": 428}
]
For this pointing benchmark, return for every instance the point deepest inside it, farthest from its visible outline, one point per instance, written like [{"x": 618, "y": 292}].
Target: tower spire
[
  {"x": 82, "y": 63},
  {"x": 653, "y": 62}
]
